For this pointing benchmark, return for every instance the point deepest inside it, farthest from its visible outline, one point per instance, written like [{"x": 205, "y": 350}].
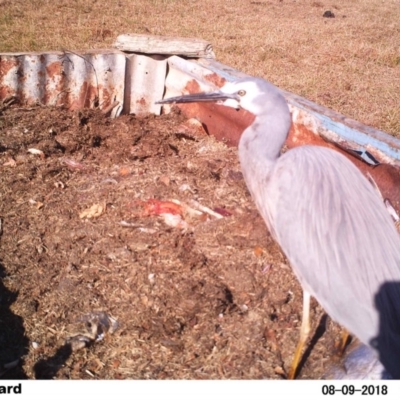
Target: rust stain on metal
[
  {"x": 193, "y": 86},
  {"x": 55, "y": 73},
  {"x": 88, "y": 95},
  {"x": 5, "y": 67},
  {"x": 215, "y": 79},
  {"x": 105, "y": 96},
  {"x": 91, "y": 94},
  {"x": 141, "y": 101},
  {"x": 5, "y": 91},
  {"x": 387, "y": 178},
  {"x": 299, "y": 135},
  {"x": 226, "y": 124},
  {"x": 54, "y": 69}
]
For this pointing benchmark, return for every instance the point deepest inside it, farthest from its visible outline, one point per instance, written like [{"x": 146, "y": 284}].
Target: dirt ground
[{"x": 200, "y": 293}]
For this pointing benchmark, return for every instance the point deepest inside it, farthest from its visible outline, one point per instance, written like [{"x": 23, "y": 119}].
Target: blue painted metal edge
[{"x": 347, "y": 129}]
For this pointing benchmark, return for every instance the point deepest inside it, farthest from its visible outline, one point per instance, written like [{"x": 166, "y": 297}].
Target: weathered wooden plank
[{"x": 151, "y": 44}]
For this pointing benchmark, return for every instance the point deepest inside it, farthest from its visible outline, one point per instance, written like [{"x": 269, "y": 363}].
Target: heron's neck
[{"x": 261, "y": 143}]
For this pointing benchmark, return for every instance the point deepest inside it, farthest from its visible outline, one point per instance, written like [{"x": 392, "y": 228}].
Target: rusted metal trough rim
[
  {"x": 329, "y": 124},
  {"x": 335, "y": 127}
]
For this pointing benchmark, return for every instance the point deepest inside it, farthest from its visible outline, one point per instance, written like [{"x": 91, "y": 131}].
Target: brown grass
[{"x": 350, "y": 63}]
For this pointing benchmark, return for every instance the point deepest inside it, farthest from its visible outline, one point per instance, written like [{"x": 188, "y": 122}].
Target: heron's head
[{"x": 251, "y": 94}]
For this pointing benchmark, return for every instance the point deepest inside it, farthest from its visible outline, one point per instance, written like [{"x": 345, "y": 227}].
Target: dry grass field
[{"x": 350, "y": 63}]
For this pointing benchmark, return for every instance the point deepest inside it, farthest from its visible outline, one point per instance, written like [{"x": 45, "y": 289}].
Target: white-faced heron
[{"x": 328, "y": 219}]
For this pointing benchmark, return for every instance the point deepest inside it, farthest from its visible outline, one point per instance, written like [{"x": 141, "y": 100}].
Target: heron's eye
[{"x": 241, "y": 93}]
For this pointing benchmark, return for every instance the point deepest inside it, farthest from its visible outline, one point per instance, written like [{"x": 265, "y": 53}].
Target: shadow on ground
[
  {"x": 13, "y": 342},
  {"x": 47, "y": 368}
]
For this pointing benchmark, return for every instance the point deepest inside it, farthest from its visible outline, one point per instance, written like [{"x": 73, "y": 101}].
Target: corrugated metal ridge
[
  {"x": 144, "y": 83},
  {"x": 71, "y": 79},
  {"x": 95, "y": 78}
]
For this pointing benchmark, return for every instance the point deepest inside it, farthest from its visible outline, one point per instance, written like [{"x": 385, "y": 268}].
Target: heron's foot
[
  {"x": 341, "y": 344},
  {"x": 304, "y": 333},
  {"x": 292, "y": 372}
]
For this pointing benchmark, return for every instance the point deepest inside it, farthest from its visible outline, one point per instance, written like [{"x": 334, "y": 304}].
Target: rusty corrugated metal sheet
[
  {"x": 89, "y": 79},
  {"x": 69, "y": 79},
  {"x": 97, "y": 78}
]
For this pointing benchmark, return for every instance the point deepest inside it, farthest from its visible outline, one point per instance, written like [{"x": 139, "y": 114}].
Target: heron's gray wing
[{"x": 337, "y": 235}]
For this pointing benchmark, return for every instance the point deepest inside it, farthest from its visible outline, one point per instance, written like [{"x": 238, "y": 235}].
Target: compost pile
[{"x": 131, "y": 249}]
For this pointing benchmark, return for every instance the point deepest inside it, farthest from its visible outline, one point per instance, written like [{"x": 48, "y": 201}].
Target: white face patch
[
  {"x": 231, "y": 103},
  {"x": 244, "y": 91}
]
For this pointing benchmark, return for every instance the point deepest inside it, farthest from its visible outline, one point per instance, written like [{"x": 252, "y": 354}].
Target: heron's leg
[
  {"x": 304, "y": 332},
  {"x": 344, "y": 338}
]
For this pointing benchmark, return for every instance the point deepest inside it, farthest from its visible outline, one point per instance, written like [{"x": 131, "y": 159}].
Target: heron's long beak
[{"x": 199, "y": 97}]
